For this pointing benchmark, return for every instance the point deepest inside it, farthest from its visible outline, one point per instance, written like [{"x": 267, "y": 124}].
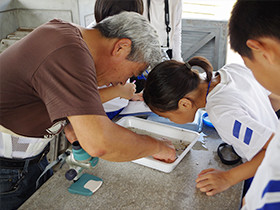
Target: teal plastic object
[
  {"x": 94, "y": 161},
  {"x": 86, "y": 185},
  {"x": 206, "y": 120},
  {"x": 80, "y": 154}
]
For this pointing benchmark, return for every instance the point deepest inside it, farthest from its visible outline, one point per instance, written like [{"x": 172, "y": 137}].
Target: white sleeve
[
  {"x": 268, "y": 92},
  {"x": 176, "y": 28},
  {"x": 264, "y": 192},
  {"x": 237, "y": 128}
]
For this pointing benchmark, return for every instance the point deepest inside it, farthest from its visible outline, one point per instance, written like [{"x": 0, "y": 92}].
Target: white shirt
[
  {"x": 157, "y": 19},
  {"x": 241, "y": 111},
  {"x": 264, "y": 192}
]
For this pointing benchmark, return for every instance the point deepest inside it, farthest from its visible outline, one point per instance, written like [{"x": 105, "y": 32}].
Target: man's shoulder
[
  {"x": 56, "y": 34},
  {"x": 59, "y": 29}
]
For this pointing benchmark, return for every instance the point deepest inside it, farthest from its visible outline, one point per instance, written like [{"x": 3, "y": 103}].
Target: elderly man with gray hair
[{"x": 53, "y": 75}]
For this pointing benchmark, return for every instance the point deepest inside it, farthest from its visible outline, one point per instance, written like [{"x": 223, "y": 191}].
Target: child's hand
[
  {"x": 126, "y": 91},
  {"x": 212, "y": 181},
  {"x": 137, "y": 97}
]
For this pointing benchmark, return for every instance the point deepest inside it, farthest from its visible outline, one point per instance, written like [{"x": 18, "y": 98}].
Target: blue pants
[
  {"x": 17, "y": 185},
  {"x": 247, "y": 184}
]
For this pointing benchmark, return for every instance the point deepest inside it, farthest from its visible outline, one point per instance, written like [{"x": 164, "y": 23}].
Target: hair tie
[{"x": 188, "y": 65}]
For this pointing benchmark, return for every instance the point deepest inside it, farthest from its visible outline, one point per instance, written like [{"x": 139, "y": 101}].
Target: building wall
[{"x": 30, "y": 13}]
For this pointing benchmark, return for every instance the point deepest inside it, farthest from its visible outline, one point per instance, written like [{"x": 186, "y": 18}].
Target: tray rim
[{"x": 152, "y": 163}]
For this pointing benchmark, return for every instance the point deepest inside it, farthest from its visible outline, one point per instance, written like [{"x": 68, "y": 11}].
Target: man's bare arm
[{"x": 100, "y": 137}]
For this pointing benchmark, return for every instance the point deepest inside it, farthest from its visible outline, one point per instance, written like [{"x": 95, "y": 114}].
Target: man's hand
[
  {"x": 168, "y": 154},
  {"x": 213, "y": 181}
]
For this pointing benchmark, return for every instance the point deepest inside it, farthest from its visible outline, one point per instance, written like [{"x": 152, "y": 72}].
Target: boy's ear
[
  {"x": 261, "y": 48},
  {"x": 254, "y": 44},
  {"x": 122, "y": 48},
  {"x": 184, "y": 104}
]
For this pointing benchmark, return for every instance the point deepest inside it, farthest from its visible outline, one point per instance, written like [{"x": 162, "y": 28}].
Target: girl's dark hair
[
  {"x": 106, "y": 8},
  {"x": 171, "y": 80}
]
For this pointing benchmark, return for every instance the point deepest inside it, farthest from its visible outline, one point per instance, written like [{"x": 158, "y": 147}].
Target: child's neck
[{"x": 201, "y": 92}]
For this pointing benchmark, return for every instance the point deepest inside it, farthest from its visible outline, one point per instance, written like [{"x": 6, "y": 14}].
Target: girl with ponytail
[
  {"x": 173, "y": 86},
  {"x": 237, "y": 105}
]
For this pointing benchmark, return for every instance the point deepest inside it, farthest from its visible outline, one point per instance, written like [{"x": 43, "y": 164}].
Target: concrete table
[{"x": 131, "y": 186}]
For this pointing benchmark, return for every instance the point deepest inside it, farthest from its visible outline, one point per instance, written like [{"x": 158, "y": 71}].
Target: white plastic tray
[
  {"x": 196, "y": 125},
  {"x": 165, "y": 131}
]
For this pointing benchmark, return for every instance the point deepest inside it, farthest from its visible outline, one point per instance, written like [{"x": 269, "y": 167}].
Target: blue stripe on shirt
[
  {"x": 236, "y": 129},
  {"x": 248, "y": 136},
  {"x": 270, "y": 206},
  {"x": 272, "y": 186}
]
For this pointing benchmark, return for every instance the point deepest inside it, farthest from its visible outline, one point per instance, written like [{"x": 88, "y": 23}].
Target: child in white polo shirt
[
  {"x": 237, "y": 105},
  {"x": 254, "y": 32}
]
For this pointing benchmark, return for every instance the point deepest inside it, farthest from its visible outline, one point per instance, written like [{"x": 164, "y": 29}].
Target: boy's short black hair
[{"x": 252, "y": 19}]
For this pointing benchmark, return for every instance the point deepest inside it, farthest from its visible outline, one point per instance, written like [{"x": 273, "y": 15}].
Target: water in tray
[{"x": 179, "y": 145}]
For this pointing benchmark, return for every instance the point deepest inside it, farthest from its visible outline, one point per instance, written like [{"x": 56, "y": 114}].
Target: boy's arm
[
  {"x": 124, "y": 91},
  {"x": 213, "y": 181}
]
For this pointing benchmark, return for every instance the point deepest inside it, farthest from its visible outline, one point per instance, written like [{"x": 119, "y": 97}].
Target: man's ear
[
  {"x": 260, "y": 48},
  {"x": 122, "y": 48},
  {"x": 184, "y": 104}
]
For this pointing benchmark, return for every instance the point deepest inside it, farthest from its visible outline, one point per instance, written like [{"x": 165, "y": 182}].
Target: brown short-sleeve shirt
[{"x": 47, "y": 76}]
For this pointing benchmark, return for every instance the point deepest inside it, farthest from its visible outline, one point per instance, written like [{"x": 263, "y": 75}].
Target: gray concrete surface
[{"x": 132, "y": 186}]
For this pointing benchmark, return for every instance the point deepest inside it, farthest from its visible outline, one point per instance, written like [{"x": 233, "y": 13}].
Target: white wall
[
  {"x": 8, "y": 20},
  {"x": 32, "y": 13}
]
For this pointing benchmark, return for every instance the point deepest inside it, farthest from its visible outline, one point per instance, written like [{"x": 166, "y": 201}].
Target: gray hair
[{"x": 145, "y": 47}]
